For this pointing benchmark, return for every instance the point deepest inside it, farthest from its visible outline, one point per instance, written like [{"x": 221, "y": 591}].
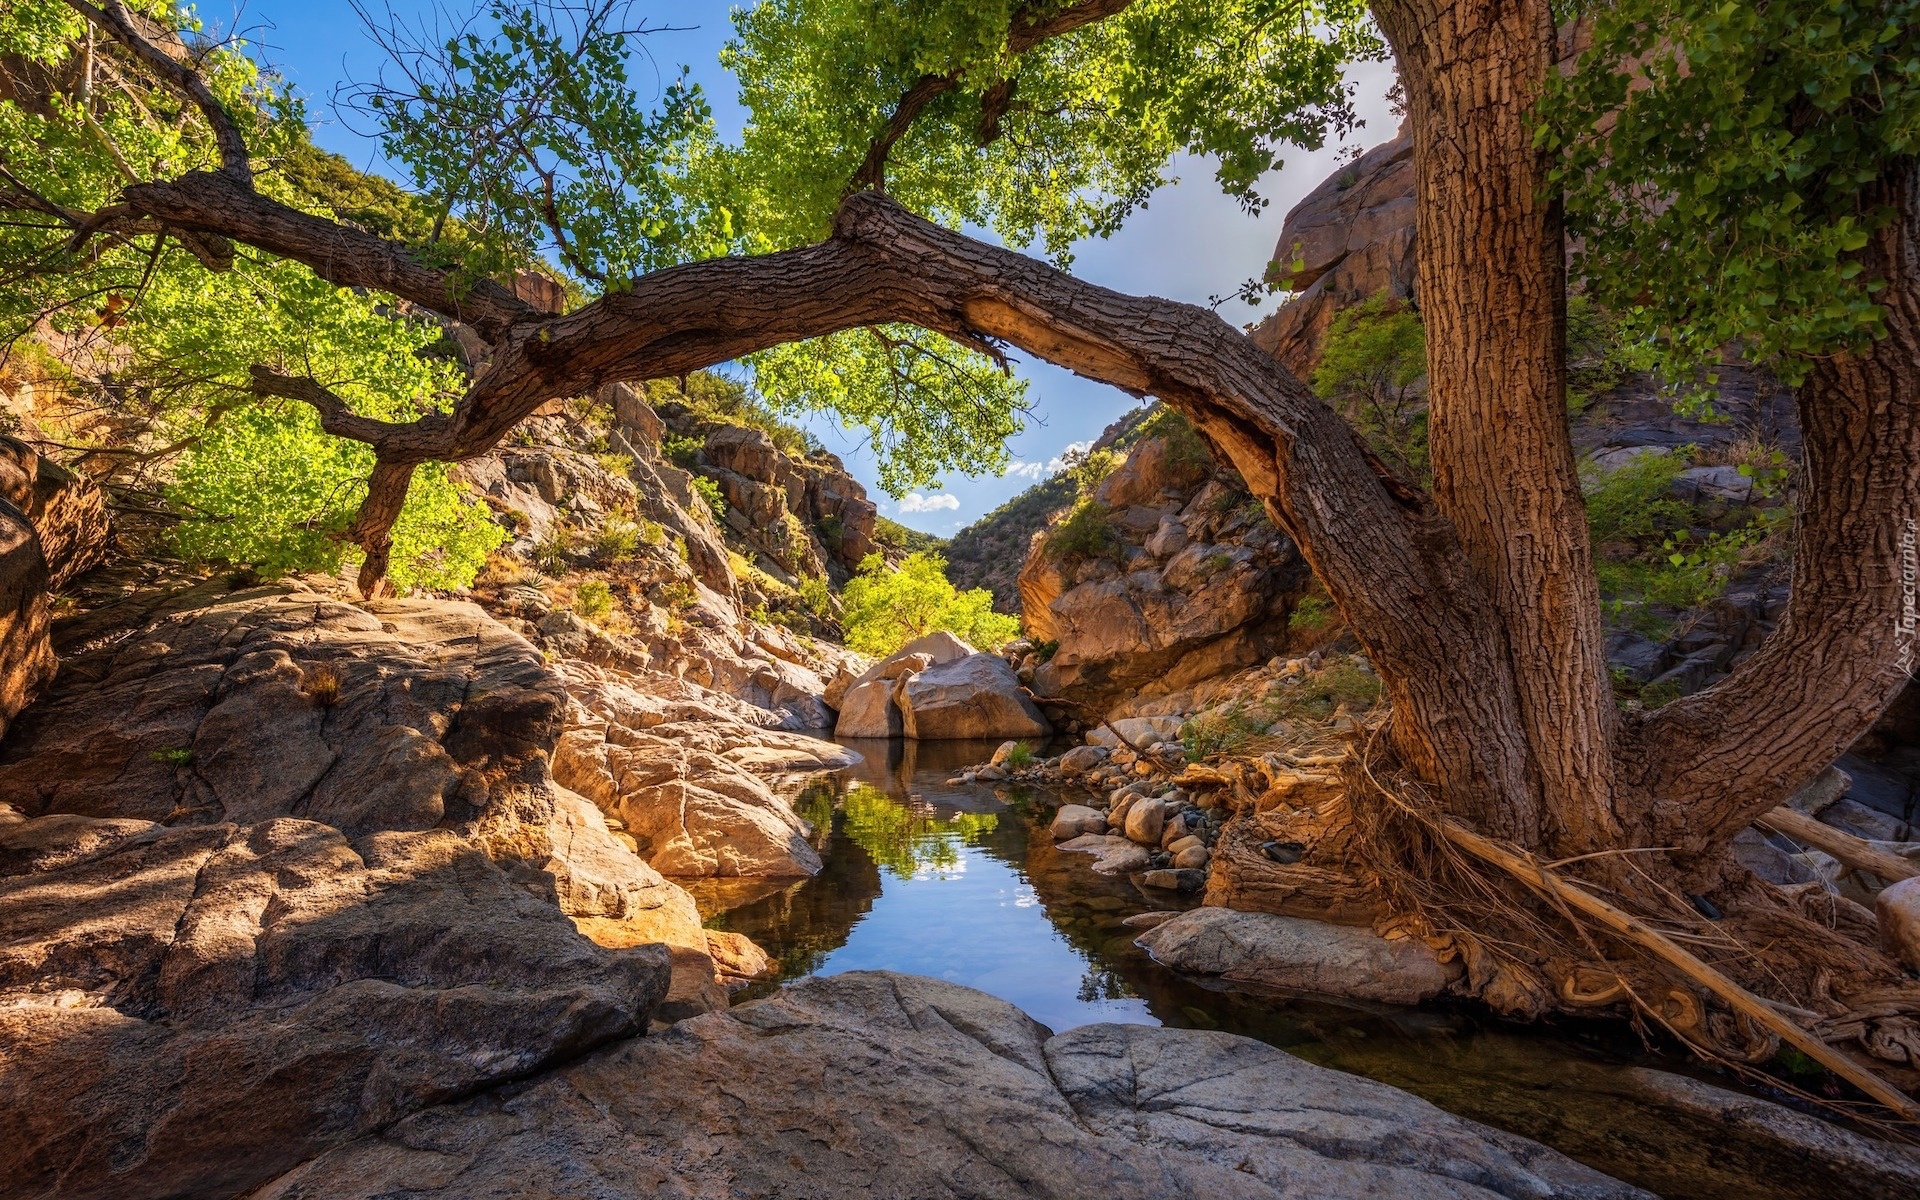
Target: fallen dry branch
[
  {"x": 1755, "y": 1009},
  {"x": 1857, "y": 853}
]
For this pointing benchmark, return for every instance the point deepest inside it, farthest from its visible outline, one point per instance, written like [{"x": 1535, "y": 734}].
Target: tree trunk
[
  {"x": 1718, "y": 759},
  {"x": 1492, "y": 294}
]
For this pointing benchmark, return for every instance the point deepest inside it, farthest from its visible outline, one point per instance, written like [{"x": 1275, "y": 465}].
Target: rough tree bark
[
  {"x": 1493, "y": 297},
  {"x": 1716, "y": 759}
]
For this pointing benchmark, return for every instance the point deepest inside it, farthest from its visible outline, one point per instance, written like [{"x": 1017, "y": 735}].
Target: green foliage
[
  {"x": 1597, "y": 360},
  {"x": 710, "y": 492},
  {"x": 895, "y": 536},
  {"x": 617, "y": 539},
  {"x": 1318, "y": 696},
  {"x": 523, "y": 125},
  {"x": 927, "y": 404},
  {"x": 1722, "y": 185},
  {"x": 817, "y": 596},
  {"x": 1086, "y": 532},
  {"x": 1086, "y": 470},
  {"x": 1083, "y": 126},
  {"x": 1187, "y": 457},
  {"x": 683, "y": 452},
  {"x": 593, "y": 599},
  {"x": 1373, "y": 370},
  {"x": 1220, "y": 731},
  {"x": 1020, "y": 757},
  {"x": 258, "y": 482},
  {"x": 1310, "y": 613},
  {"x": 884, "y": 608},
  {"x": 1635, "y": 501},
  {"x": 1650, "y": 547},
  {"x": 173, "y": 756},
  {"x": 907, "y": 841},
  {"x": 551, "y": 552}
]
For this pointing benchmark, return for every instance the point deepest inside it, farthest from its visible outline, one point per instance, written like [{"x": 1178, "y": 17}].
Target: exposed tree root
[{"x": 1732, "y": 976}]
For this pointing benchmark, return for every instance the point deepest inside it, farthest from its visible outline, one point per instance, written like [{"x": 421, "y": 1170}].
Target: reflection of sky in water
[{"x": 974, "y": 920}]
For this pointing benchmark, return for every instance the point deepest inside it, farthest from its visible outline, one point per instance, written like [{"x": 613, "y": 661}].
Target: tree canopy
[{"x": 1720, "y": 186}]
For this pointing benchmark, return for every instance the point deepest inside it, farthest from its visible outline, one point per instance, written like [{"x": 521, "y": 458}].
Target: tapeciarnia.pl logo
[{"x": 1906, "y": 627}]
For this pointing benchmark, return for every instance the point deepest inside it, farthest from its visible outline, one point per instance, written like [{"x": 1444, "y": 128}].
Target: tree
[
  {"x": 1476, "y": 602},
  {"x": 885, "y": 607}
]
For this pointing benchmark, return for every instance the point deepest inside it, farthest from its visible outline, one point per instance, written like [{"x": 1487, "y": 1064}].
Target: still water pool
[{"x": 962, "y": 883}]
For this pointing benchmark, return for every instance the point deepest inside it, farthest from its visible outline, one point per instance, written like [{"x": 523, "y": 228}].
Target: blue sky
[{"x": 1191, "y": 243}]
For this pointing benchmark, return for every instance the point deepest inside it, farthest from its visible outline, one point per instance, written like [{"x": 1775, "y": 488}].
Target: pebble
[
  {"x": 1146, "y": 819},
  {"x": 1075, "y": 819},
  {"x": 1193, "y": 857}
]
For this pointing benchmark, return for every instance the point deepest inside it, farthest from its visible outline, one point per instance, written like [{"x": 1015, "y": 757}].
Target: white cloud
[
  {"x": 914, "y": 502},
  {"x": 1037, "y": 471},
  {"x": 1058, "y": 463}
]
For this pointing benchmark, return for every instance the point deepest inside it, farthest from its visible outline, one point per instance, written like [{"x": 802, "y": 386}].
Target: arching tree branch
[{"x": 113, "y": 17}]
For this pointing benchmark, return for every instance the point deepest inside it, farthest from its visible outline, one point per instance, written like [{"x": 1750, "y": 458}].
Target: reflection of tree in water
[
  {"x": 1103, "y": 984},
  {"x": 908, "y": 837}
]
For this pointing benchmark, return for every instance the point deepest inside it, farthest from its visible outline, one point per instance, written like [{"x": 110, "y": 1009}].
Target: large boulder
[
  {"x": 276, "y": 870},
  {"x": 972, "y": 697},
  {"x": 1172, "y": 578},
  {"x": 867, "y": 711},
  {"x": 800, "y": 1095},
  {"x": 1896, "y": 911},
  {"x": 1299, "y": 955},
  {"x": 187, "y": 1011}
]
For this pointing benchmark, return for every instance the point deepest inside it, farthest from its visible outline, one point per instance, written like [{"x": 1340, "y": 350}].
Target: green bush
[
  {"x": 1087, "y": 532},
  {"x": 884, "y": 608},
  {"x": 683, "y": 452},
  {"x": 710, "y": 492},
  {"x": 816, "y": 596},
  {"x": 1020, "y": 757},
  {"x": 1319, "y": 695},
  {"x": 1373, "y": 371},
  {"x": 1669, "y": 562},
  {"x": 1312, "y": 612},
  {"x": 593, "y": 599},
  {"x": 617, "y": 539},
  {"x": 550, "y": 552},
  {"x": 1220, "y": 732},
  {"x": 1635, "y": 502}
]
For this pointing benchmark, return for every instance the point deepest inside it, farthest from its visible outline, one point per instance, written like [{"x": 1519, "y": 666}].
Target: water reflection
[{"x": 957, "y": 883}]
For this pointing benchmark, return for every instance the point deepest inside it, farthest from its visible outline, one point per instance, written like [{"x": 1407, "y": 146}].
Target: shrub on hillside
[
  {"x": 1373, "y": 371},
  {"x": 887, "y": 607}
]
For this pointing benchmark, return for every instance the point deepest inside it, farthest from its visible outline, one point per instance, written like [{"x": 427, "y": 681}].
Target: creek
[{"x": 963, "y": 883}]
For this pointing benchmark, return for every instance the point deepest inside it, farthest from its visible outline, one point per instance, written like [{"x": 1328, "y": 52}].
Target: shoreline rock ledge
[{"x": 877, "y": 1084}]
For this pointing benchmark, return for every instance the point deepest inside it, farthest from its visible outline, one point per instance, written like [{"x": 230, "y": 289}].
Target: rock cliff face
[
  {"x": 1168, "y": 576},
  {"x": 806, "y": 516},
  {"x": 677, "y": 597},
  {"x": 989, "y": 552},
  {"x": 1351, "y": 238}
]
